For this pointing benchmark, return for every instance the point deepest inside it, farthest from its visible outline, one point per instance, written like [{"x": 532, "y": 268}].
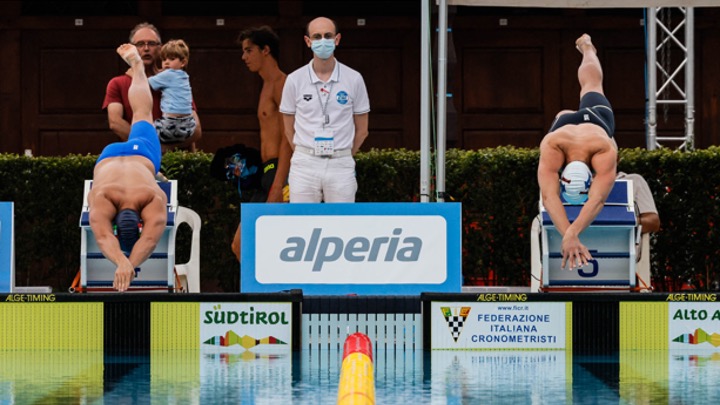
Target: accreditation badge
[{"x": 324, "y": 142}]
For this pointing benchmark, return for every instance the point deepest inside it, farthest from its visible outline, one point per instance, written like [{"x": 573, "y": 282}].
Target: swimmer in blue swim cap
[{"x": 125, "y": 196}]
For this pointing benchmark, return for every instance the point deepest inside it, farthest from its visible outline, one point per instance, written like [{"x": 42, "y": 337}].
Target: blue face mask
[{"x": 323, "y": 48}]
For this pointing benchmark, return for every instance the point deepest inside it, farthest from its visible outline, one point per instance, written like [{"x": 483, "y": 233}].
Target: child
[{"x": 177, "y": 123}]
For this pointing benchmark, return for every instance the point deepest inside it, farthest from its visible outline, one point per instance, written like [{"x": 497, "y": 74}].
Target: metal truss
[{"x": 674, "y": 27}]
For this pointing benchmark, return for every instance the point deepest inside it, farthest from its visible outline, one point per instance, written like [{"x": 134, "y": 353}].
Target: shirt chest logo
[
  {"x": 307, "y": 97},
  {"x": 342, "y": 97}
]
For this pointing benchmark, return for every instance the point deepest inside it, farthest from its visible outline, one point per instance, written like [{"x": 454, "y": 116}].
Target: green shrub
[{"x": 497, "y": 187}]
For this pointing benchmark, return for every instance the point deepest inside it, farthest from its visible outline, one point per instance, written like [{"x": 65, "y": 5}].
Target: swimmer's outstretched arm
[
  {"x": 102, "y": 213},
  {"x": 604, "y": 165},
  {"x": 575, "y": 254},
  {"x": 154, "y": 216},
  {"x": 548, "y": 174}
]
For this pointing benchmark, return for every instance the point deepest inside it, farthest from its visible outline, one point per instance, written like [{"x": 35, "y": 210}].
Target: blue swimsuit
[{"x": 143, "y": 141}]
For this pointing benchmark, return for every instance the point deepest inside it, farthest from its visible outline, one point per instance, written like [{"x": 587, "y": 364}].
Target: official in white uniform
[{"x": 325, "y": 109}]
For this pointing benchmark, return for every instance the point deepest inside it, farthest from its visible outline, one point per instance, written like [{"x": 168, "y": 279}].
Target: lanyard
[{"x": 326, "y": 117}]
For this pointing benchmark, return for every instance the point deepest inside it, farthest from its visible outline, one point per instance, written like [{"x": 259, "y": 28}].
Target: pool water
[{"x": 311, "y": 377}]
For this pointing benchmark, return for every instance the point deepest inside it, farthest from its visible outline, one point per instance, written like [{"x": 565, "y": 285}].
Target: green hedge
[{"x": 497, "y": 187}]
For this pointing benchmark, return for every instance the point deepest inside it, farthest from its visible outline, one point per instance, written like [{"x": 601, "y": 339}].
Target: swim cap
[
  {"x": 575, "y": 182},
  {"x": 128, "y": 229}
]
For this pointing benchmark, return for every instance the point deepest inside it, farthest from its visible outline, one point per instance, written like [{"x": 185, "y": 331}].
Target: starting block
[
  {"x": 159, "y": 272},
  {"x": 611, "y": 239}
]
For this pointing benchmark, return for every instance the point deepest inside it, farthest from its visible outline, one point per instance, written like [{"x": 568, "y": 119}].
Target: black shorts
[
  {"x": 594, "y": 109},
  {"x": 269, "y": 169}
]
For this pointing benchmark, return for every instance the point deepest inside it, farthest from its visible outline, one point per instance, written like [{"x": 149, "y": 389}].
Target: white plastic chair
[
  {"x": 643, "y": 265},
  {"x": 189, "y": 273},
  {"x": 535, "y": 256}
]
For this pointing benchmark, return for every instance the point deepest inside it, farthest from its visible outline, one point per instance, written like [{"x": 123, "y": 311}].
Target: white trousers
[{"x": 315, "y": 179}]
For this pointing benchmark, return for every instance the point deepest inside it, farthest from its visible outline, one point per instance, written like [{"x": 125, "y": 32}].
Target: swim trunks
[
  {"x": 594, "y": 109},
  {"x": 143, "y": 141},
  {"x": 269, "y": 170}
]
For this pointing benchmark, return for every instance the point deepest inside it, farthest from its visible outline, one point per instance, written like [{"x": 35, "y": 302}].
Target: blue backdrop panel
[
  {"x": 7, "y": 251},
  {"x": 351, "y": 248}
]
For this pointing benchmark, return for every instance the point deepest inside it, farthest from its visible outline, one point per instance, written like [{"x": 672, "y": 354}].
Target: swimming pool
[{"x": 311, "y": 377}]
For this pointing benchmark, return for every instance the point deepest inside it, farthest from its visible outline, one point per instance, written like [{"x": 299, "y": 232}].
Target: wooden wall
[{"x": 507, "y": 80}]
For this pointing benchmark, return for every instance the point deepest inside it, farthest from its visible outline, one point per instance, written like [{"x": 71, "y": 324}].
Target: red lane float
[{"x": 357, "y": 377}]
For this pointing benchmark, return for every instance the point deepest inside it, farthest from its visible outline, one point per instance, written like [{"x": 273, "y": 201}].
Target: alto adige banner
[{"x": 351, "y": 248}]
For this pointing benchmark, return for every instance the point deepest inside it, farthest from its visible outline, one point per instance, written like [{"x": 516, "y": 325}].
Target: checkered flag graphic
[{"x": 455, "y": 318}]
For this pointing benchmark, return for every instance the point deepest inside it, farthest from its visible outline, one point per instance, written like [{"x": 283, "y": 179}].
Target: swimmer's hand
[
  {"x": 124, "y": 274},
  {"x": 574, "y": 253}
]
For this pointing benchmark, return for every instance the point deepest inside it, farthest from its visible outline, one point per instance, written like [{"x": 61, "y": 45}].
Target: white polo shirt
[{"x": 310, "y": 99}]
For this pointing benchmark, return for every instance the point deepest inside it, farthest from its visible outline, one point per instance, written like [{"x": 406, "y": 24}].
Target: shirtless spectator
[{"x": 260, "y": 48}]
